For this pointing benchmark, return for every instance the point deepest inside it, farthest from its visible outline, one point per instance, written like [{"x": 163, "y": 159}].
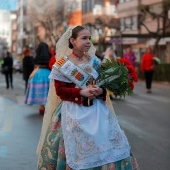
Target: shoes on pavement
[
  {"x": 148, "y": 91},
  {"x": 41, "y": 111}
]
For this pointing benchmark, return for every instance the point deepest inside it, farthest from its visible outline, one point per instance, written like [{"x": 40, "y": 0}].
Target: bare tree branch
[{"x": 161, "y": 20}]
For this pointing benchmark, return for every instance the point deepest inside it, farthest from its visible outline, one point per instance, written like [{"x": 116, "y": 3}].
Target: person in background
[
  {"x": 110, "y": 55},
  {"x": 38, "y": 83},
  {"x": 7, "y": 67},
  {"x": 32, "y": 50},
  {"x": 100, "y": 56},
  {"x": 28, "y": 65},
  {"x": 148, "y": 67},
  {"x": 129, "y": 55}
]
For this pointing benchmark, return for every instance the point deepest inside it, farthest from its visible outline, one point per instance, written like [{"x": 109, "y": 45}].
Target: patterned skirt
[
  {"x": 53, "y": 151},
  {"x": 38, "y": 86}
]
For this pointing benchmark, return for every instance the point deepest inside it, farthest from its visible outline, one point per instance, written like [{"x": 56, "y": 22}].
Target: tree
[
  {"x": 50, "y": 17},
  {"x": 160, "y": 17},
  {"x": 47, "y": 15},
  {"x": 105, "y": 26}
]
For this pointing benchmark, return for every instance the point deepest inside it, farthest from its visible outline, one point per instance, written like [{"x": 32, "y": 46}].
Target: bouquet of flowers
[
  {"x": 117, "y": 76},
  {"x": 156, "y": 60}
]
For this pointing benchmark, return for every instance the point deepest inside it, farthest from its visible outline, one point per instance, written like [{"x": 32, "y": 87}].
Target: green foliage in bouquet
[{"x": 117, "y": 77}]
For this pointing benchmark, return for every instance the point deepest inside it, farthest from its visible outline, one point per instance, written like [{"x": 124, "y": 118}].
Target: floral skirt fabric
[{"x": 53, "y": 151}]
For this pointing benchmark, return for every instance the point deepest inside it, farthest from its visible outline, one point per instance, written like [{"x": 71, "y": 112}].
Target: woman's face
[
  {"x": 128, "y": 50},
  {"x": 148, "y": 50},
  {"x": 82, "y": 42},
  {"x": 110, "y": 52}
]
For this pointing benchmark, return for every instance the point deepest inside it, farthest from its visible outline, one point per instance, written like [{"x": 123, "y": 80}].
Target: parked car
[{"x": 17, "y": 66}]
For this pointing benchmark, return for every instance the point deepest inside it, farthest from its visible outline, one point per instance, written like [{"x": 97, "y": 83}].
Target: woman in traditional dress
[
  {"x": 80, "y": 130},
  {"x": 38, "y": 83}
]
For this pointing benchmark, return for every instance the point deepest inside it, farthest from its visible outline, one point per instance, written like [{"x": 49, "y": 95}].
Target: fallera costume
[
  {"x": 84, "y": 137},
  {"x": 38, "y": 83}
]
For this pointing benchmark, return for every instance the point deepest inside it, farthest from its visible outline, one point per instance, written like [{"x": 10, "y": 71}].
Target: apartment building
[
  {"x": 128, "y": 13},
  {"x": 6, "y": 31},
  {"x": 96, "y": 16},
  {"x": 73, "y": 12},
  {"x": 21, "y": 29}
]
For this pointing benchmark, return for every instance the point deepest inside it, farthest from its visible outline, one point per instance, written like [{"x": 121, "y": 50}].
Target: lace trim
[{"x": 84, "y": 165}]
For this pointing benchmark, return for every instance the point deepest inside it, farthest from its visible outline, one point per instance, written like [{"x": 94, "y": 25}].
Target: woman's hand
[
  {"x": 98, "y": 90},
  {"x": 91, "y": 92}
]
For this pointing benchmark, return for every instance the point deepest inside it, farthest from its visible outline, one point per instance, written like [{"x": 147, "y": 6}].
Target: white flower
[{"x": 156, "y": 60}]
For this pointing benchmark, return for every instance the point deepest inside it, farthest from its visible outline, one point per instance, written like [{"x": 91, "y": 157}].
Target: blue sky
[{"x": 8, "y": 5}]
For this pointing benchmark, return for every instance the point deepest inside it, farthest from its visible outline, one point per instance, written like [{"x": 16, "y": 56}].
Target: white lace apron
[{"x": 92, "y": 135}]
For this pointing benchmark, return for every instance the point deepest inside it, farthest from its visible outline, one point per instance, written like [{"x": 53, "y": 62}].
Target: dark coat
[
  {"x": 28, "y": 66},
  {"x": 8, "y": 64},
  {"x": 42, "y": 54}
]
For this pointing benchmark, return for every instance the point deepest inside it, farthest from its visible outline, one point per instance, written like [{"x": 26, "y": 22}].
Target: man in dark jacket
[{"x": 8, "y": 70}]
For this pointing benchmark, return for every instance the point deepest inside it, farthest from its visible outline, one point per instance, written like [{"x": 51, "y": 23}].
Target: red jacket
[
  {"x": 147, "y": 63},
  {"x": 52, "y": 62},
  {"x": 68, "y": 92}
]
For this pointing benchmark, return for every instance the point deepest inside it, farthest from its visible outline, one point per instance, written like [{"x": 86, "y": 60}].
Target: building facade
[
  {"x": 99, "y": 16},
  {"x": 6, "y": 31},
  {"x": 129, "y": 12}
]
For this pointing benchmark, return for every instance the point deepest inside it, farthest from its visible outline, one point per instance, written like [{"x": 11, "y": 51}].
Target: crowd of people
[
  {"x": 45, "y": 57},
  {"x": 31, "y": 63}
]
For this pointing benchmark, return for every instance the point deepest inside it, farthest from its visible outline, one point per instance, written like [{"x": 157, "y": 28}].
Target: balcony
[
  {"x": 129, "y": 8},
  {"x": 126, "y": 6},
  {"x": 150, "y": 2},
  {"x": 109, "y": 10}
]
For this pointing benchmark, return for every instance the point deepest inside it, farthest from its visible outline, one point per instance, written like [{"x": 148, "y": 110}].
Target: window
[
  {"x": 87, "y": 6},
  {"x": 122, "y": 1},
  {"x": 122, "y": 24},
  {"x": 99, "y": 2},
  {"x": 129, "y": 23},
  {"x": 135, "y": 22}
]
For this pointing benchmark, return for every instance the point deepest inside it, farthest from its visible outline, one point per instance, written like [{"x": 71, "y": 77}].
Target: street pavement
[{"x": 144, "y": 118}]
